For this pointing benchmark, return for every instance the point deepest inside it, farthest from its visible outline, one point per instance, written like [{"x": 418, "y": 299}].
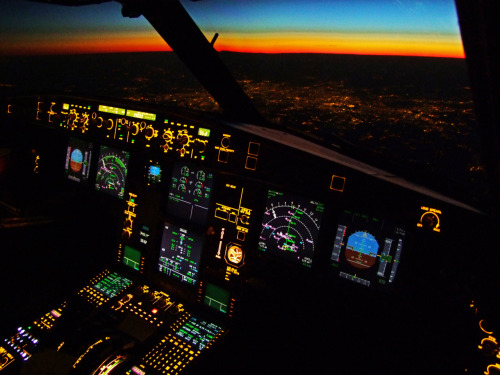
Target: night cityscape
[{"x": 411, "y": 109}]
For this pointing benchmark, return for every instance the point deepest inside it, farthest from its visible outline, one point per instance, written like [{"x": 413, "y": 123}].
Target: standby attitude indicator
[{"x": 290, "y": 227}]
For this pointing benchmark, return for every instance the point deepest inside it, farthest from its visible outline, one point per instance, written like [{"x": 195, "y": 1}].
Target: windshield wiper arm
[{"x": 177, "y": 28}]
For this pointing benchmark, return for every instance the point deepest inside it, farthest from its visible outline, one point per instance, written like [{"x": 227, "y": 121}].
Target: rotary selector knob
[
  {"x": 109, "y": 124},
  {"x": 98, "y": 122},
  {"x": 149, "y": 132}
]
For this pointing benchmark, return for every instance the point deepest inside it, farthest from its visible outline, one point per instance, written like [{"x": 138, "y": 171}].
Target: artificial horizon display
[
  {"x": 78, "y": 160},
  {"x": 367, "y": 250}
]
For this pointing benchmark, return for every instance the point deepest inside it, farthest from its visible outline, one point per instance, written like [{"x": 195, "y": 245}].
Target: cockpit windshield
[{"x": 382, "y": 78}]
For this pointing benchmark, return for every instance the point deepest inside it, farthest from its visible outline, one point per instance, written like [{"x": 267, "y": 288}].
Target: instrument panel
[
  {"x": 235, "y": 192},
  {"x": 212, "y": 216}
]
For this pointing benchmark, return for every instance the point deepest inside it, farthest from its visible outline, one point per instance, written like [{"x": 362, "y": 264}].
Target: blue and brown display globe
[
  {"x": 362, "y": 249},
  {"x": 76, "y": 163}
]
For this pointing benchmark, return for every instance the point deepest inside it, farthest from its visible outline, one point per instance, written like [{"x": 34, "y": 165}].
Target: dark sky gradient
[{"x": 380, "y": 27}]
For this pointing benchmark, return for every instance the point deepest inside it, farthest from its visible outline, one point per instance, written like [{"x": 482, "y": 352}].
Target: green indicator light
[{"x": 203, "y": 132}]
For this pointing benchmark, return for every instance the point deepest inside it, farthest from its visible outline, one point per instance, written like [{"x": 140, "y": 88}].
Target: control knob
[
  {"x": 149, "y": 132},
  {"x": 109, "y": 124}
]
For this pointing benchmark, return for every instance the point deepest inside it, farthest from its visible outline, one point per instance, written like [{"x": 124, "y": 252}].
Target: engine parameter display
[
  {"x": 190, "y": 192},
  {"x": 290, "y": 227},
  {"x": 112, "y": 170}
]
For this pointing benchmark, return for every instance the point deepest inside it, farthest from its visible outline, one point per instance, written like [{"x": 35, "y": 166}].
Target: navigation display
[
  {"x": 180, "y": 253},
  {"x": 367, "y": 250},
  {"x": 190, "y": 193},
  {"x": 112, "y": 168},
  {"x": 78, "y": 159},
  {"x": 290, "y": 227}
]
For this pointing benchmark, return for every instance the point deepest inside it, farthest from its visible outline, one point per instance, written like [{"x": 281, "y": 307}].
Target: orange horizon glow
[{"x": 430, "y": 45}]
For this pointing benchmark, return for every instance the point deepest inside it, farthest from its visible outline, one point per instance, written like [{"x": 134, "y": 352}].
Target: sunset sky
[{"x": 368, "y": 27}]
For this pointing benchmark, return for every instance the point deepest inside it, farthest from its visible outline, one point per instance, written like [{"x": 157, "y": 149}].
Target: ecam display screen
[
  {"x": 367, "y": 250},
  {"x": 290, "y": 227},
  {"x": 190, "y": 193},
  {"x": 180, "y": 253}
]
